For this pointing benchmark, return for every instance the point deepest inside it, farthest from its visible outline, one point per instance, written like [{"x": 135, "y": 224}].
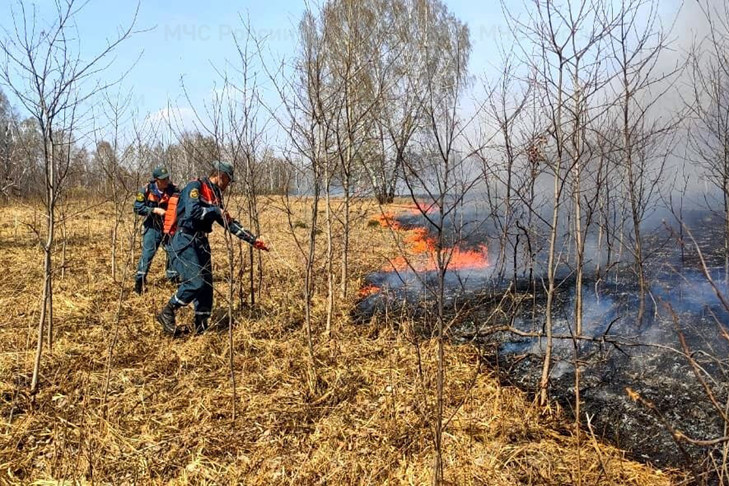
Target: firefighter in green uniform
[
  {"x": 200, "y": 205},
  {"x": 151, "y": 203}
]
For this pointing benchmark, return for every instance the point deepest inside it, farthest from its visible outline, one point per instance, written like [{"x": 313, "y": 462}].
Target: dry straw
[{"x": 167, "y": 414}]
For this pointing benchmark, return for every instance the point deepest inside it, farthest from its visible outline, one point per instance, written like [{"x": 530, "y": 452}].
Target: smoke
[{"x": 619, "y": 350}]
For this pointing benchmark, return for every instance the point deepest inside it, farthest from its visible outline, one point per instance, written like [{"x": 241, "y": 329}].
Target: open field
[{"x": 120, "y": 403}]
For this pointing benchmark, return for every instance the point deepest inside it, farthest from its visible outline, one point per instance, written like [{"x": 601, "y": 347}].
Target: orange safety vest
[
  {"x": 151, "y": 196},
  {"x": 207, "y": 195},
  {"x": 169, "y": 226}
]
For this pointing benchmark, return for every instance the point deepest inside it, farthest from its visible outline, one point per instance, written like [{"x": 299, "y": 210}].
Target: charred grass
[{"x": 120, "y": 403}]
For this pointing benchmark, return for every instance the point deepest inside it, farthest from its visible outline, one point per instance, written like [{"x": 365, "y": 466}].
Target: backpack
[
  {"x": 170, "y": 219},
  {"x": 169, "y": 226}
]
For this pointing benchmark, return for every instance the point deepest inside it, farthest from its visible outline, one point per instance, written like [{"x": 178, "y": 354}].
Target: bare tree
[
  {"x": 357, "y": 31},
  {"x": 507, "y": 190},
  {"x": 708, "y": 105},
  {"x": 111, "y": 157},
  {"x": 45, "y": 71},
  {"x": 305, "y": 117},
  {"x": 637, "y": 43},
  {"x": 245, "y": 140},
  {"x": 442, "y": 172},
  {"x": 564, "y": 37},
  {"x": 8, "y": 150}
]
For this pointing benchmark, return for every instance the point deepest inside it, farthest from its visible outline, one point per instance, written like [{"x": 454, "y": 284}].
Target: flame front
[
  {"x": 368, "y": 290},
  {"x": 421, "y": 250}
]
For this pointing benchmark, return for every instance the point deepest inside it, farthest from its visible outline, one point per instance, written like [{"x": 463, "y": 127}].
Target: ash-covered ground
[{"x": 646, "y": 357}]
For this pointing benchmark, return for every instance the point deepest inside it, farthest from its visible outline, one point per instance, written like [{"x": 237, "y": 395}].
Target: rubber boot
[
  {"x": 139, "y": 286},
  {"x": 201, "y": 324},
  {"x": 167, "y": 319}
]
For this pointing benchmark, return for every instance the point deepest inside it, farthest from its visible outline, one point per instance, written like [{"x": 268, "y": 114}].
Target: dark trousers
[
  {"x": 191, "y": 259},
  {"x": 151, "y": 240}
]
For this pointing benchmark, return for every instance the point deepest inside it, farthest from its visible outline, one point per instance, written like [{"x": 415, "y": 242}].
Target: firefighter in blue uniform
[
  {"x": 151, "y": 203},
  {"x": 200, "y": 205}
]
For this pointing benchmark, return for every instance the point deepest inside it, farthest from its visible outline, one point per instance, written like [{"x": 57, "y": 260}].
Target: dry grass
[{"x": 167, "y": 417}]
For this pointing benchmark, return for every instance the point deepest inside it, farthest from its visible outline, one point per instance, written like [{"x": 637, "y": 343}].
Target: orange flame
[
  {"x": 368, "y": 290},
  {"x": 420, "y": 207},
  {"x": 475, "y": 259},
  {"x": 387, "y": 220},
  {"x": 418, "y": 242},
  {"x": 425, "y": 261},
  {"x": 421, "y": 249},
  {"x": 421, "y": 254}
]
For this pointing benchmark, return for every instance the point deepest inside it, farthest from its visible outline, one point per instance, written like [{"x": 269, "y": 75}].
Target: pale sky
[{"x": 184, "y": 39}]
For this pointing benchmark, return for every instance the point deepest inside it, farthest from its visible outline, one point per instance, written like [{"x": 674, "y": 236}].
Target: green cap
[
  {"x": 160, "y": 172},
  {"x": 225, "y": 168}
]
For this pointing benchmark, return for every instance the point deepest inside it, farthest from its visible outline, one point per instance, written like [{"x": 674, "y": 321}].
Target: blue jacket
[
  {"x": 149, "y": 197},
  {"x": 201, "y": 205}
]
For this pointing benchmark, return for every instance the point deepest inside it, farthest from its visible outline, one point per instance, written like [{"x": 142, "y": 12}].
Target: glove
[{"x": 260, "y": 245}]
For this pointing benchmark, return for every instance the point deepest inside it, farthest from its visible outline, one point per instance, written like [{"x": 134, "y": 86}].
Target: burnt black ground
[
  {"x": 640, "y": 360},
  {"x": 646, "y": 357}
]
